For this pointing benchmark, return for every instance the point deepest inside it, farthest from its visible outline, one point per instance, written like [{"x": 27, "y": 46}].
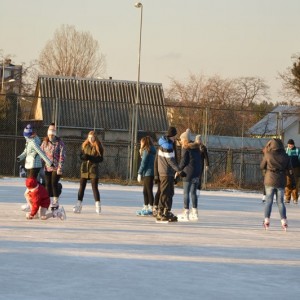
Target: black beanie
[
  {"x": 171, "y": 131},
  {"x": 291, "y": 142}
]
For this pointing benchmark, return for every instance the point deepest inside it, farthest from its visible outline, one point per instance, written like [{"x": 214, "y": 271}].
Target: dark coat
[
  {"x": 191, "y": 161},
  {"x": 90, "y": 162},
  {"x": 276, "y": 164}
]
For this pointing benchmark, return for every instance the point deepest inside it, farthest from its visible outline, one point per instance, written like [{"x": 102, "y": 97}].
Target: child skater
[{"x": 38, "y": 199}]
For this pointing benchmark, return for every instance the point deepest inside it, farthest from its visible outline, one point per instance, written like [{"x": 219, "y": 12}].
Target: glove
[
  {"x": 29, "y": 216},
  {"x": 139, "y": 178},
  {"x": 83, "y": 156},
  {"x": 182, "y": 174},
  {"x": 156, "y": 180}
]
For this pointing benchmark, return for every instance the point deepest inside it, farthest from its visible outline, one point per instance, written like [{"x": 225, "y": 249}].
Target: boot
[
  {"x": 194, "y": 214},
  {"x": 184, "y": 217},
  {"x": 77, "y": 208},
  {"x": 54, "y": 203},
  {"x": 98, "y": 207}
]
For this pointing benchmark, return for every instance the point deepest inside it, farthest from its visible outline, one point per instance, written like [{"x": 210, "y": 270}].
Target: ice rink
[{"x": 117, "y": 255}]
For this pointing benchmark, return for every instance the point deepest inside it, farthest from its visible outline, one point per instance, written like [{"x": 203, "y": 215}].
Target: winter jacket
[
  {"x": 56, "y": 152},
  {"x": 294, "y": 154},
  {"x": 33, "y": 154},
  {"x": 166, "y": 162},
  {"x": 90, "y": 162},
  {"x": 191, "y": 161},
  {"x": 147, "y": 164},
  {"x": 276, "y": 164},
  {"x": 39, "y": 198}
]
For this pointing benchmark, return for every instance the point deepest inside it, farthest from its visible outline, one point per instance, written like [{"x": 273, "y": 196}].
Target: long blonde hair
[{"x": 96, "y": 144}]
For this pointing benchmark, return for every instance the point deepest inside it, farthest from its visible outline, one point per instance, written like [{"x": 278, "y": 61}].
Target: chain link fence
[{"x": 239, "y": 165}]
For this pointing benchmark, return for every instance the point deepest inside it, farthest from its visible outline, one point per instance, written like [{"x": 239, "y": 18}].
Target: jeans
[
  {"x": 270, "y": 191},
  {"x": 190, "y": 187}
]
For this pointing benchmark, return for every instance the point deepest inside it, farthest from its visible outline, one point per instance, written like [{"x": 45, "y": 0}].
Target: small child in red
[{"x": 37, "y": 197}]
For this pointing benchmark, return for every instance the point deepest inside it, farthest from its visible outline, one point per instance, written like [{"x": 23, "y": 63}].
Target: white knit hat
[
  {"x": 186, "y": 135},
  {"x": 51, "y": 129},
  {"x": 198, "y": 139}
]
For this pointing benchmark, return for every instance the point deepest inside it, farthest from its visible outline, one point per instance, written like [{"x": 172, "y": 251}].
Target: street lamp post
[{"x": 135, "y": 112}]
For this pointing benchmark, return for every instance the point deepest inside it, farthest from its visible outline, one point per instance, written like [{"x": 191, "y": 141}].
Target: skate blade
[
  {"x": 161, "y": 222},
  {"x": 182, "y": 221}
]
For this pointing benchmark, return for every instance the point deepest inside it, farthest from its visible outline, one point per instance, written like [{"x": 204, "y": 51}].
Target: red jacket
[{"x": 39, "y": 198}]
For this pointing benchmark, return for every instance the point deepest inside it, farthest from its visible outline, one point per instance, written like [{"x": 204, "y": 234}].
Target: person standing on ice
[
  {"x": 276, "y": 164},
  {"x": 54, "y": 148},
  {"x": 146, "y": 172},
  {"x": 167, "y": 167},
  {"x": 192, "y": 164},
  {"x": 33, "y": 156},
  {"x": 91, "y": 155}
]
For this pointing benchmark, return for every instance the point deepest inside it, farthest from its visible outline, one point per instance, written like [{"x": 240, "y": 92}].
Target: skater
[
  {"x": 33, "y": 156},
  {"x": 276, "y": 164},
  {"x": 192, "y": 164},
  {"x": 146, "y": 172},
  {"x": 54, "y": 148},
  {"x": 167, "y": 167},
  {"x": 157, "y": 182},
  {"x": 38, "y": 200},
  {"x": 204, "y": 159},
  {"x": 294, "y": 153},
  {"x": 91, "y": 155}
]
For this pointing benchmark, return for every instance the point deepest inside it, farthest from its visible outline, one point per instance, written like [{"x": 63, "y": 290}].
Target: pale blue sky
[{"x": 230, "y": 38}]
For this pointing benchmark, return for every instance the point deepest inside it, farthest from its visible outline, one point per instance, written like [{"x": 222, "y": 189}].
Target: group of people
[
  {"x": 281, "y": 169},
  {"x": 162, "y": 167},
  {"x": 48, "y": 158}
]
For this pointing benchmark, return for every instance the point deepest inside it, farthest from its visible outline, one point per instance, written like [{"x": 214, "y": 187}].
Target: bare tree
[
  {"x": 291, "y": 79},
  {"x": 72, "y": 53},
  {"x": 227, "y": 98}
]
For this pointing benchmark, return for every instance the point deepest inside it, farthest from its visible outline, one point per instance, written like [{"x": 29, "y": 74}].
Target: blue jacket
[
  {"x": 167, "y": 165},
  {"x": 147, "y": 163}
]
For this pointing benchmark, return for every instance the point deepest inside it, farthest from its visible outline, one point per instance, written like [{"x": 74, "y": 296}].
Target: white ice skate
[
  {"x": 60, "y": 213},
  {"x": 77, "y": 208},
  {"x": 184, "y": 217},
  {"x": 98, "y": 207},
  {"x": 194, "y": 215},
  {"x": 284, "y": 224},
  {"x": 266, "y": 223},
  {"x": 25, "y": 207}
]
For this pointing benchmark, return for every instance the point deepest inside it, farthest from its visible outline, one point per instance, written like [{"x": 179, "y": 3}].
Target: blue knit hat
[{"x": 28, "y": 131}]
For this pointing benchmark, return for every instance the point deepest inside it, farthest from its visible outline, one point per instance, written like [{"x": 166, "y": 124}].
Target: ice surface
[{"x": 117, "y": 255}]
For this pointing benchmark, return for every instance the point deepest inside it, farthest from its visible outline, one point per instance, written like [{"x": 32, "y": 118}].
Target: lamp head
[{"x": 138, "y": 5}]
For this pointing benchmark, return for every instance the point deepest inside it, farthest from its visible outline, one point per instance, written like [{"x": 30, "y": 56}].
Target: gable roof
[
  {"x": 281, "y": 117},
  {"x": 83, "y": 102}
]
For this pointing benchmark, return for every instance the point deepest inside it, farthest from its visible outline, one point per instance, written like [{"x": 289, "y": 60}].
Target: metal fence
[{"x": 242, "y": 164}]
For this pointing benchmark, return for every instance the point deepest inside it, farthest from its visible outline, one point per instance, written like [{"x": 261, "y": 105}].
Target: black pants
[
  {"x": 33, "y": 173},
  {"x": 166, "y": 192},
  {"x": 94, "y": 183},
  {"x": 51, "y": 183},
  {"x": 157, "y": 195},
  {"x": 148, "y": 190}
]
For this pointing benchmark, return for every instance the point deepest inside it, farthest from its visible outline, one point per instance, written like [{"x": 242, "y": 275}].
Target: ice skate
[
  {"x": 184, "y": 217},
  {"x": 154, "y": 211},
  {"x": 263, "y": 199},
  {"x": 169, "y": 216},
  {"x": 284, "y": 224},
  {"x": 77, "y": 208},
  {"x": 160, "y": 218},
  {"x": 194, "y": 215},
  {"x": 60, "y": 213},
  {"x": 143, "y": 212},
  {"x": 54, "y": 204},
  {"x": 25, "y": 207},
  {"x": 266, "y": 223},
  {"x": 98, "y": 207}
]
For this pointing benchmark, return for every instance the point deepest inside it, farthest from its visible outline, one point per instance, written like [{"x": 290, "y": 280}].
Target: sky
[{"x": 232, "y": 38}]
